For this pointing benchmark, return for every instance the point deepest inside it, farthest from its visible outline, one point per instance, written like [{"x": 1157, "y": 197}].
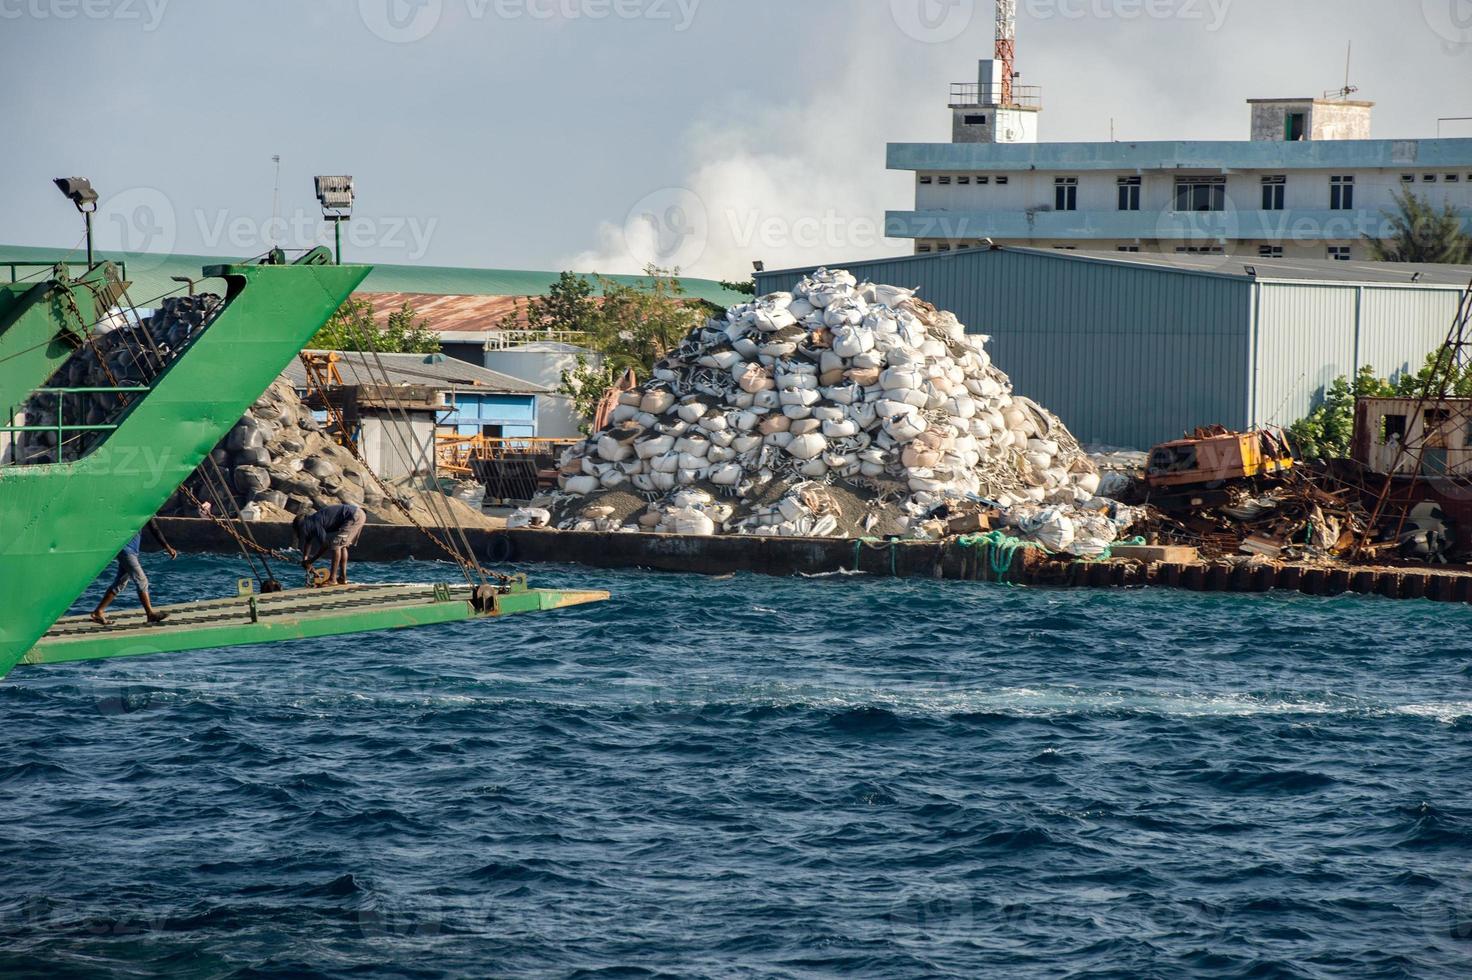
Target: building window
[
  {"x": 1065, "y": 193},
  {"x": 983, "y": 180},
  {"x": 1392, "y": 427},
  {"x": 1428, "y": 178},
  {"x": 1296, "y": 123},
  {"x": 945, "y": 181},
  {"x": 1453, "y": 178},
  {"x": 1341, "y": 193},
  {"x": 1200, "y": 250},
  {"x": 1003, "y": 180},
  {"x": 1341, "y": 253},
  {"x": 1065, "y": 248},
  {"x": 976, "y": 120},
  {"x": 1129, "y": 193},
  {"x": 927, "y": 180},
  {"x": 1274, "y": 189},
  {"x": 1126, "y": 248},
  {"x": 1407, "y": 178},
  {"x": 1201, "y": 193},
  {"x": 923, "y": 249},
  {"x": 963, "y": 180},
  {"x": 1270, "y": 251},
  {"x": 944, "y": 248}
]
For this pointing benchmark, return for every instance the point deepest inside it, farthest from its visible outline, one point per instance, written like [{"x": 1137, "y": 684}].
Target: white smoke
[{"x": 789, "y": 185}]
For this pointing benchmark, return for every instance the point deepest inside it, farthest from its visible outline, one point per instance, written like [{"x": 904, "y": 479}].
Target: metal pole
[
  {"x": 88, "y": 216},
  {"x": 337, "y": 231}
]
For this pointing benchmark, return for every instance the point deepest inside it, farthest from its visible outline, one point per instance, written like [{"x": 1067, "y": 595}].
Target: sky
[{"x": 605, "y": 135}]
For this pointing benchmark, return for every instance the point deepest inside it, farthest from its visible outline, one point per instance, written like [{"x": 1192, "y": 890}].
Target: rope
[
  {"x": 469, "y": 566},
  {"x": 998, "y": 550}
]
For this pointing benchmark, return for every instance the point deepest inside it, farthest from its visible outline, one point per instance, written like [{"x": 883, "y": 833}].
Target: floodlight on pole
[
  {"x": 79, "y": 191},
  {"x": 335, "y": 194}
]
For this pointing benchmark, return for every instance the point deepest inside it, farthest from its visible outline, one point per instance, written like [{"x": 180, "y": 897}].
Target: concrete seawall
[
  {"x": 663, "y": 552},
  {"x": 814, "y": 556}
]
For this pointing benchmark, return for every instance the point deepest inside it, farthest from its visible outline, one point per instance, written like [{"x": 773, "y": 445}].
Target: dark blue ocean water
[{"x": 758, "y": 777}]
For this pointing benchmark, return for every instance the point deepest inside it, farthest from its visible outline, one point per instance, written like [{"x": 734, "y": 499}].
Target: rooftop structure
[{"x": 1308, "y": 183}]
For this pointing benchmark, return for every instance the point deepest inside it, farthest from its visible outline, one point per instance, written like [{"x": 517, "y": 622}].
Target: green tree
[
  {"x": 1421, "y": 233},
  {"x": 746, "y": 287},
  {"x": 1326, "y": 432},
  {"x": 569, "y": 304},
  {"x": 353, "y": 327},
  {"x": 634, "y": 326}
]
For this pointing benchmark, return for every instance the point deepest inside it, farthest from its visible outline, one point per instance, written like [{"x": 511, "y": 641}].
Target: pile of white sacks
[{"x": 746, "y": 425}]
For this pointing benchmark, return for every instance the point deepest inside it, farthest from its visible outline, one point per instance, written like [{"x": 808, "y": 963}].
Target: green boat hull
[{"x": 63, "y": 523}]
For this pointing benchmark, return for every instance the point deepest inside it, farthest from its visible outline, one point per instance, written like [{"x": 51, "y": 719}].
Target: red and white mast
[{"x": 1007, "y": 46}]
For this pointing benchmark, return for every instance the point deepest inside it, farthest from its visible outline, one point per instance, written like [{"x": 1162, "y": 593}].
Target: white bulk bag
[
  {"x": 668, "y": 463},
  {"x": 581, "y": 485},
  {"x": 903, "y": 428},
  {"x": 691, "y": 522},
  {"x": 726, "y": 475},
  {"x": 900, "y": 378},
  {"x": 801, "y": 427},
  {"x": 745, "y": 444},
  {"x": 614, "y": 478},
  {"x": 1045, "y": 446},
  {"x": 693, "y": 445},
  {"x": 799, "y": 396},
  {"x": 614, "y": 451},
  {"x": 693, "y": 411},
  {"x": 808, "y": 446},
  {"x": 840, "y": 428},
  {"x": 654, "y": 446}
]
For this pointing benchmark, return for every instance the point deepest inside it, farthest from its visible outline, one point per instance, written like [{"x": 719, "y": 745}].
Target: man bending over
[{"x": 334, "y": 529}]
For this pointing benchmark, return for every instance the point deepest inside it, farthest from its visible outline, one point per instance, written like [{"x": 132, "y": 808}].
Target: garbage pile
[
  {"x": 838, "y": 409},
  {"x": 275, "y": 463},
  {"x": 279, "y": 461},
  {"x": 120, "y": 354}
]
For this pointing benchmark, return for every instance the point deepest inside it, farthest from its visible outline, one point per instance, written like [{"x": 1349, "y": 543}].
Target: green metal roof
[{"x": 151, "y": 276}]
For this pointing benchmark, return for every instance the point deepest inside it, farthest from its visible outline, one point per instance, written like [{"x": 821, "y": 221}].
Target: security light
[
  {"x": 1251, "y": 270},
  {"x": 759, "y": 266},
  {"x": 79, "y": 191},
  {"x": 335, "y": 195},
  {"x": 1416, "y": 277}
]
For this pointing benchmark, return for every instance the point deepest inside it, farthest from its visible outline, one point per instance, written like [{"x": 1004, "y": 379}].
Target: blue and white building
[{"x": 1310, "y": 183}]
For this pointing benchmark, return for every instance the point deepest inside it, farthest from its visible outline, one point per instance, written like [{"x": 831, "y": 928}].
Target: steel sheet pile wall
[{"x": 1126, "y": 356}]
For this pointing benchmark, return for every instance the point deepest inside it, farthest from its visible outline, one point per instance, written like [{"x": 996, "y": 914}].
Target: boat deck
[{"x": 293, "y": 615}]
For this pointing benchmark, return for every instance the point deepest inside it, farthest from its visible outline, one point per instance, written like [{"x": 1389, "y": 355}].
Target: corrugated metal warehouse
[{"x": 1133, "y": 349}]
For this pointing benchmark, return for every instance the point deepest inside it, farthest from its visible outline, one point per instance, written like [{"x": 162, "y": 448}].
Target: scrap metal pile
[
  {"x": 1293, "y": 520},
  {"x": 839, "y": 409}
]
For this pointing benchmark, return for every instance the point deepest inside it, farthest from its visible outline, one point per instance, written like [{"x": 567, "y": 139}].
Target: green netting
[{"x": 998, "y": 550}]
